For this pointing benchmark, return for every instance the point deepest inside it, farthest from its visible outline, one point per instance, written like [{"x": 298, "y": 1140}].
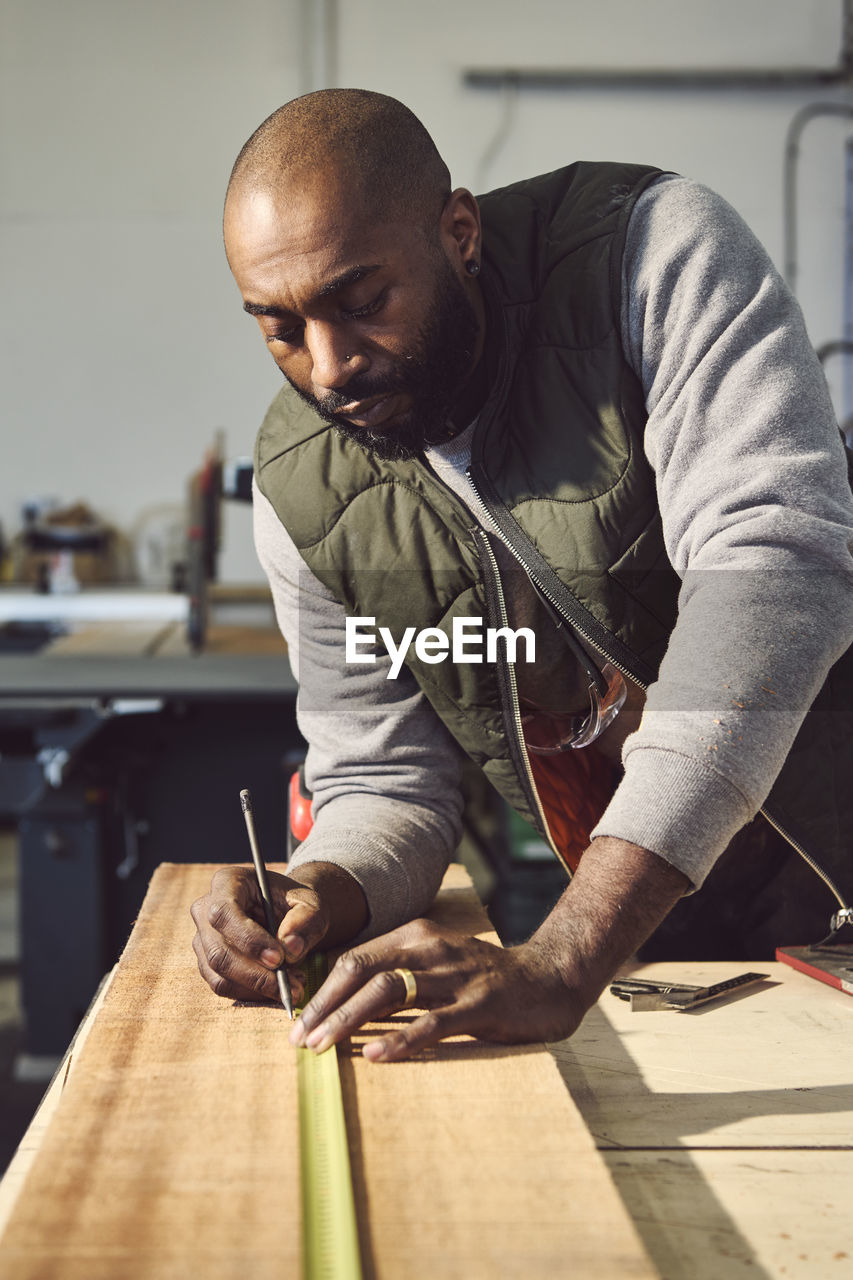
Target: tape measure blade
[{"x": 330, "y": 1248}]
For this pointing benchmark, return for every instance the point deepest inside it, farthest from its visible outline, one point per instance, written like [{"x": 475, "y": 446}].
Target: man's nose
[{"x": 334, "y": 356}]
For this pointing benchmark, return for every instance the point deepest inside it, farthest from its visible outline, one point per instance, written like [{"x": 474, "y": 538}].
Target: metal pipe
[
  {"x": 675, "y": 77},
  {"x": 837, "y": 347},
  {"x": 789, "y": 198},
  {"x": 318, "y": 44},
  {"x": 655, "y": 78}
]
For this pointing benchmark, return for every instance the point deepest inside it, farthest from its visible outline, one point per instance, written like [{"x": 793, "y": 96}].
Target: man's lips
[{"x": 372, "y": 412}]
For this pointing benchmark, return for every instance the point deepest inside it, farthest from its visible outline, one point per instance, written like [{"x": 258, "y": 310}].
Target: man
[{"x": 584, "y": 403}]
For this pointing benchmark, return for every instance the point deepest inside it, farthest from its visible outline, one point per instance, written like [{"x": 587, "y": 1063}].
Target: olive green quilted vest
[{"x": 558, "y": 447}]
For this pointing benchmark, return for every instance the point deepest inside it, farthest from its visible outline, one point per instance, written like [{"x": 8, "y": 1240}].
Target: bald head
[{"x": 367, "y": 141}]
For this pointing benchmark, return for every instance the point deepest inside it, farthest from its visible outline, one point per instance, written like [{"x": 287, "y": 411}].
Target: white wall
[{"x": 123, "y": 345}]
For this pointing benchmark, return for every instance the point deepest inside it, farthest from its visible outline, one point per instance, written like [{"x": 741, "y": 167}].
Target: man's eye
[
  {"x": 369, "y": 308},
  {"x": 290, "y": 336}
]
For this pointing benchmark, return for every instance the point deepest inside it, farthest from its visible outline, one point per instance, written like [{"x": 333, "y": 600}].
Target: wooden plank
[
  {"x": 113, "y": 638},
  {"x": 28, "y": 1148},
  {"x": 176, "y": 1132},
  {"x": 173, "y": 1151},
  {"x": 226, "y": 639},
  {"x": 767, "y": 1068}
]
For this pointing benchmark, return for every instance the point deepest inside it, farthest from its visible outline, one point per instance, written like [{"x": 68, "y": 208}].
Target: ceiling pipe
[
  {"x": 700, "y": 78},
  {"x": 710, "y": 78}
]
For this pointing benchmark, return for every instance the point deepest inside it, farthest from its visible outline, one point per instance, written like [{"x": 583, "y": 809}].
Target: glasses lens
[
  {"x": 547, "y": 734},
  {"x": 605, "y": 707}
]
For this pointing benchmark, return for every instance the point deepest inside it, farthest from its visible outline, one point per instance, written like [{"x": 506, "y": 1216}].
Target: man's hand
[
  {"x": 537, "y": 991},
  {"x": 236, "y": 954},
  {"x": 512, "y": 996}
]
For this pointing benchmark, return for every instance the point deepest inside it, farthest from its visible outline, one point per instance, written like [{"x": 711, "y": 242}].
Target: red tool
[
  {"x": 832, "y": 965},
  {"x": 299, "y": 817}
]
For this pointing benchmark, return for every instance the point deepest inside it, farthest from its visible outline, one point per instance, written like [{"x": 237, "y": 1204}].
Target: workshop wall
[
  {"x": 123, "y": 345},
  {"x": 732, "y": 140}
]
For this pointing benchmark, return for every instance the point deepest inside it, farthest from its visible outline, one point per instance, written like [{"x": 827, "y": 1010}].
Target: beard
[{"x": 432, "y": 376}]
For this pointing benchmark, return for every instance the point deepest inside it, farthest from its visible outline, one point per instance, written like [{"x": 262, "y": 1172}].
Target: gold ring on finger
[{"x": 410, "y": 985}]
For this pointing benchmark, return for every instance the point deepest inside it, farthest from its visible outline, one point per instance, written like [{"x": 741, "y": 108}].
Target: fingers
[
  {"x": 364, "y": 987},
  {"x": 418, "y": 946},
  {"x": 328, "y": 1022},
  {"x": 363, "y": 972},
  {"x": 304, "y": 924},
  {"x": 236, "y": 955},
  {"x": 237, "y": 977},
  {"x": 384, "y": 993},
  {"x": 424, "y": 1032}
]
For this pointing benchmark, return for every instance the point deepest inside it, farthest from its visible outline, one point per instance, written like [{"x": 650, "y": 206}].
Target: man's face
[{"x": 368, "y": 320}]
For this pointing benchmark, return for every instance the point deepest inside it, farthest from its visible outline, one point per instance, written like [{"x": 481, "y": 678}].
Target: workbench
[
  {"x": 708, "y": 1145},
  {"x": 728, "y": 1130}
]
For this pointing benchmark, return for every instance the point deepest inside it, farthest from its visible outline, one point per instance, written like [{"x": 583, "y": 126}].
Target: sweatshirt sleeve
[
  {"x": 383, "y": 770},
  {"x": 757, "y": 516}
]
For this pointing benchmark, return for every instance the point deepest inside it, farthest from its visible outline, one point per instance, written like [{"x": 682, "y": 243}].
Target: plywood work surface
[
  {"x": 771, "y": 1066},
  {"x": 741, "y": 1214},
  {"x": 728, "y": 1130},
  {"x": 173, "y": 1150}
]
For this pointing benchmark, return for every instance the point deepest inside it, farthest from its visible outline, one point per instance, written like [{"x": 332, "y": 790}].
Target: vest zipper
[
  {"x": 505, "y": 669},
  {"x": 507, "y": 672},
  {"x": 572, "y": 618}
]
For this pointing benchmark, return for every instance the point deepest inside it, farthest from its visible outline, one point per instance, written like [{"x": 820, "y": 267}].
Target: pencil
[{"x": 264, "y": 886}]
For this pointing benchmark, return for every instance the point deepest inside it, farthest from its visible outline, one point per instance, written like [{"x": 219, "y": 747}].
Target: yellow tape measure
[{"x": 329, "y": 1232}]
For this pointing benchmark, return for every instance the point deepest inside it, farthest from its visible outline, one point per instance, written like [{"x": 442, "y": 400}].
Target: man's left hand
[
  {"x": 465, "y": 985},
  {"x": 539, "y": 990}
]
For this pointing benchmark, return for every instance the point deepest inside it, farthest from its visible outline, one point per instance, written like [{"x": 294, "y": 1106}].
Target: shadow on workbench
[{"x": 683, "y": 1224}]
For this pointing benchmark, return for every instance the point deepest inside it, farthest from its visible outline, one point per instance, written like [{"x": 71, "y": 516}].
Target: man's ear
[{"x": 461, "y": 231}]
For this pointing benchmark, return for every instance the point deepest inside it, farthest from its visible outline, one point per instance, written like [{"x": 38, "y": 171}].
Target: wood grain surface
[{"x": 173, "y": 1149}]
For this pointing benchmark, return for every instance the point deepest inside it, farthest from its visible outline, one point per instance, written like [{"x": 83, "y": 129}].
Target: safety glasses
[{"x": 548, "y": 734}]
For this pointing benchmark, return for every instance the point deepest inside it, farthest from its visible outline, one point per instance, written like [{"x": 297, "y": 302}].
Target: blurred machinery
[
  {"x": 116, "y": 757},
  {"x": 207, "y": 488}
]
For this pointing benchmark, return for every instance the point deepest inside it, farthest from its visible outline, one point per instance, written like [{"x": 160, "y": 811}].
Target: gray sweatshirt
[{"x": 758, "y": 521}]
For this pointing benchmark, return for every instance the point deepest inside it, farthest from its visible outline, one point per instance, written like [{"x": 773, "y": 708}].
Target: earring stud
[{"x": 472, "y": 266}]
